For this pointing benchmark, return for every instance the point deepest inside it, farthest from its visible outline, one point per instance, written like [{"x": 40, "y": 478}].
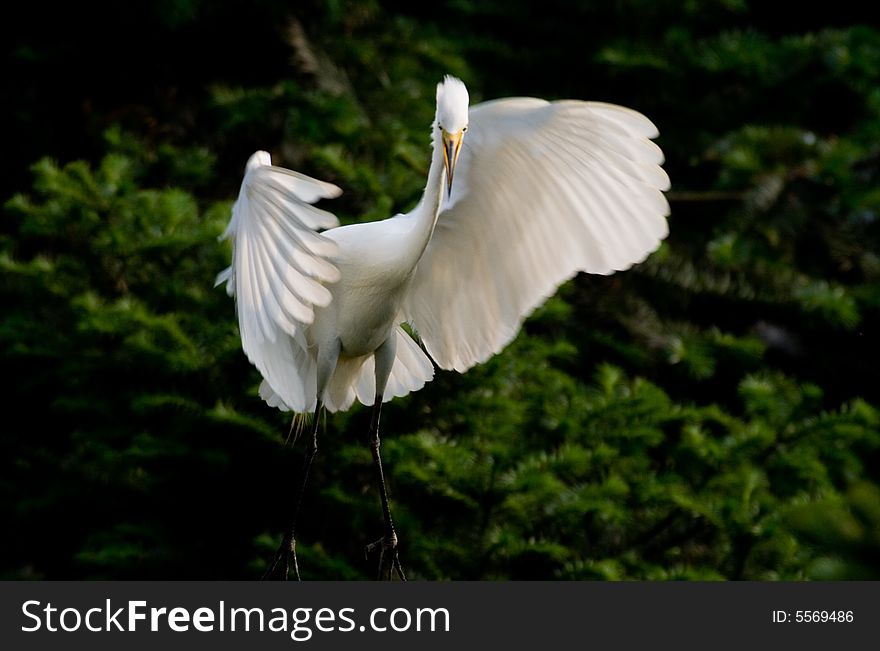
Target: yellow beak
[{"x": 451, "y": 150}]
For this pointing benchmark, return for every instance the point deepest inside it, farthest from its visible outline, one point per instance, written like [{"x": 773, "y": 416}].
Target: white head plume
[{"x": 452, "y": 105}]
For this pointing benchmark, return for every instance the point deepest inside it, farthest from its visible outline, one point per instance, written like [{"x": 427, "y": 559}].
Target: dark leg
[
  {"x": 286, "y": 553},
  {"x": 387, "y": 546}
]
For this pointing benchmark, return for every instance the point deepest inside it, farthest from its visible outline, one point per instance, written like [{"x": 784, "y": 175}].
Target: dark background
[{"x": 711, "y": 413}]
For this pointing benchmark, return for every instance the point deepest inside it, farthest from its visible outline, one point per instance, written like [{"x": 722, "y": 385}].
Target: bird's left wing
[
  {"x": 541, "y": 191},
  {"x": 280, "y": 264}
]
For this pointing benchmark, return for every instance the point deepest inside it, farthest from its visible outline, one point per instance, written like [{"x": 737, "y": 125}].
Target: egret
[{"x": 521, "y": 195}]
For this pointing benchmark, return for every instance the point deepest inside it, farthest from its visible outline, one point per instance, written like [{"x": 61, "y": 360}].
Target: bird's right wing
[
  {"x": 541, "y": 191},
  {"x": 280, "y": 264}
]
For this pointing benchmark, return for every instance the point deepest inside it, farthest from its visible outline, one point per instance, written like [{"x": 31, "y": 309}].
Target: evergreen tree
[{"x": 709, "y": 414}]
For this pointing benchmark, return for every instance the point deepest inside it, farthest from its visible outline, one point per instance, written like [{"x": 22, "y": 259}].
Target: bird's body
[
  {"x": 373, "y": 282},
  {"x": 364, "y": 313},
  {"x": 532, "y": 194}
]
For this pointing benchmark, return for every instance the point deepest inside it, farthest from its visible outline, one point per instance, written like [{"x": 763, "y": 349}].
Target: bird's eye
[
  {"x": 464, "y": 129},
  {"x": 440, "y": 126}
]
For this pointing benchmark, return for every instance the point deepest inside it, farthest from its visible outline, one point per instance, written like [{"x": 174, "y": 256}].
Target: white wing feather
[
  {"x": 280, "y": 265},
  {"x": 541, "y": 191}
]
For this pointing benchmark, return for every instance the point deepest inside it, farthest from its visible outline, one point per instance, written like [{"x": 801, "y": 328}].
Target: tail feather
[
  {"x": 412, "y": 368},
  {"x": 355, "y": 378},
  {"x": 294, "y": 367}
]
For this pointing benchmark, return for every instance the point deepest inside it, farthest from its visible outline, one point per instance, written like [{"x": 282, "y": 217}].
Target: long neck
[{"x": 426, "y": 212}]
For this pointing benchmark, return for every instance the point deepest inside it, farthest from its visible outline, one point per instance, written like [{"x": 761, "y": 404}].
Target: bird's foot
[
  {"x": 279, "y": 568},
  {"x": 388, "y": 556}
]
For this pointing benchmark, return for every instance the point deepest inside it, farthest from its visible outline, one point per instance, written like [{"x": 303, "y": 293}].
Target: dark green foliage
[{"x": 710, "y": 414}]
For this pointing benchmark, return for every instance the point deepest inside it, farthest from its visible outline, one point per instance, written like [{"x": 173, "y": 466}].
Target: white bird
[{"x": 521, "y": 195}]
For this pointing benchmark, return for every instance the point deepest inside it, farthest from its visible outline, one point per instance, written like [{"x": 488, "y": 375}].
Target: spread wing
[
  {"x": 279, "y": 266},
  {"x": 541, "y": 191}
]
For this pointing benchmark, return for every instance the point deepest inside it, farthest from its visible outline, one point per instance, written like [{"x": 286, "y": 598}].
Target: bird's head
[{"x": 451, "y": 122}]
